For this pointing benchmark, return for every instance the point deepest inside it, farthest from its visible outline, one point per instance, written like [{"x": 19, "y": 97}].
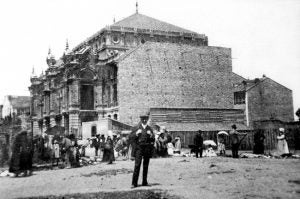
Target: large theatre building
[{"x": 141, "y": 64}]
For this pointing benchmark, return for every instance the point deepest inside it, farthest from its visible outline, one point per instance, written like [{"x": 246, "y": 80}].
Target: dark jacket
[
  {"x": 198, "y": 141},
  {"x": 234, "y": 137},
  {"x": 144, "y": 139},
  {"x": 22, "y": 151},
  {"x": 96, "y": 142},
  {"x": 108, "y": 152}
]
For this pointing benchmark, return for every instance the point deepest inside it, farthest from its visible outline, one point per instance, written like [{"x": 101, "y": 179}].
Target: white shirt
[{"x": 144, "y": 126}]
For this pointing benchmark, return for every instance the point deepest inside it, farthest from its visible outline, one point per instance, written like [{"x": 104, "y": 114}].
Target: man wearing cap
[
  {"x": 143, "y": 140},
  {"x": 235, "y": 142}
]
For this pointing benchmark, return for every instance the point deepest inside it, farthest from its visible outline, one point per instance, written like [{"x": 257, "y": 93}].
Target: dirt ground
[{"x": 175, "y": 177}]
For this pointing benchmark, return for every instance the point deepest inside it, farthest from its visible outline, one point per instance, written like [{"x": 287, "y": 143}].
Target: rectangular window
[
  {"x": 87, "y": 97},
  {"x": 108, "y": 95},
  {"x": 239, "y": 97},
  {"x": 115, "y": 94}
]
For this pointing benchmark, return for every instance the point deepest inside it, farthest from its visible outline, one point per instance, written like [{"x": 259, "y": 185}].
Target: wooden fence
[{"x": 270, "y": 142}]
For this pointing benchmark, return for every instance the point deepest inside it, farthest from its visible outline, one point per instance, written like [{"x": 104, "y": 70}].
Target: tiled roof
[
  {"x": 144, "y": 22},
  {"x": 140, "y": 21}
]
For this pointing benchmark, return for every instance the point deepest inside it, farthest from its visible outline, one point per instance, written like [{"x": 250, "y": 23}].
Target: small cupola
[{"x": 50, "y": 59}]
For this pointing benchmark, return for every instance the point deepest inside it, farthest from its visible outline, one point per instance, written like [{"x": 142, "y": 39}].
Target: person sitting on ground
[
  {"x": 170, "y": 148},
  {"x": 209, "y": 152},
  {"x": 85, "y": 144},
  {"x": 177, "y": 143}
]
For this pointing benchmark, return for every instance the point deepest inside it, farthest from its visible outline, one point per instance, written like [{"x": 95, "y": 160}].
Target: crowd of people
[
  {"x": 164, "y": 145},
  {"x": 200, "y": 149},
  {"x": 68, "y": 151}
]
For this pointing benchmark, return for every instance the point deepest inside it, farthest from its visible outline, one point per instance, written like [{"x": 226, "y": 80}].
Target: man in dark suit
[
  {"x": 235, "y": 141},
  {"x": 198, "y": 142},
  {"x": 143, "y": 141}
]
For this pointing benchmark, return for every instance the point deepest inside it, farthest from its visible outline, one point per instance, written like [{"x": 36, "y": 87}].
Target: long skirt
[
  {"x": 108, "y": 155},
  {"x": 282, "y": 147}
]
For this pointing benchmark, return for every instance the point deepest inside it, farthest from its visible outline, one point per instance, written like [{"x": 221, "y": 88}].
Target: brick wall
[
  {"x": 173, "y": 75},
  {"x": 268, "y": 99}
]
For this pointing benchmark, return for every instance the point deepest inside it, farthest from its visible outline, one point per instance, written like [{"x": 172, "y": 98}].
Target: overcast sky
[{"x": 264, "y": 35}]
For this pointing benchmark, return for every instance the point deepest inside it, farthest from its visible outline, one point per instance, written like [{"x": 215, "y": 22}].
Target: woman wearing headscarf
[
  {"x": 282, "y": 146},
  {"x": 108, "y": 153},
  {"x": 177, "y": 144},
  {"x": 163, "y": 140}
]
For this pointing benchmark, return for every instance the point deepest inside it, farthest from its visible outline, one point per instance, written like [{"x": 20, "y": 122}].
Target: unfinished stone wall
[{"x": 173, "y": 75}]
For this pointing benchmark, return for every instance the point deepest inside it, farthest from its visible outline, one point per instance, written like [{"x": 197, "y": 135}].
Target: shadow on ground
[{"x": 135, "y": 194}]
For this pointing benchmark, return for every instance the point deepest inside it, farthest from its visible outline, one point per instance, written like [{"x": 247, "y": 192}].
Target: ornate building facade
[{"x": 136, "y": 65}]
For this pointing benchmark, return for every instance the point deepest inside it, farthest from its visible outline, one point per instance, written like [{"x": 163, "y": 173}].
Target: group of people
[
  {"x": 110, "y": 146},
  {"x": 142, "y": 143},
  {"x": 164, "y": 145},
  {"x": 236, "y": 139},
  {"x": 98, "y": 146},
  {"x": 282, "y": 148}
]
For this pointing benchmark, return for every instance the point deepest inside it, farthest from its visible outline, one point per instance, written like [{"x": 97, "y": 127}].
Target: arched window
[{"x": 115, "y": 116}]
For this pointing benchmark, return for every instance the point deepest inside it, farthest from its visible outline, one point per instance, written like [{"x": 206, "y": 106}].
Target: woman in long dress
[
  {"x": 108, "y": 154},
  {"x": 282, "y": 146},
  {"x": 21, "y": 159},
  {"x": 221, "y": 145}
]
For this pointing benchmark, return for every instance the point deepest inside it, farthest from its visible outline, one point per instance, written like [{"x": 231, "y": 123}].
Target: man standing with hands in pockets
[{"x": 143, "y": 139}]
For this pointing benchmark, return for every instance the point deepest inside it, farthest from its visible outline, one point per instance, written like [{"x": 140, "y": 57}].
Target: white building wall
[{"x": 7, "y": 107}]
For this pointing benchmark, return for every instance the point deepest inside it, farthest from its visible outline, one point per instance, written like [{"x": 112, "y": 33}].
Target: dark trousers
[
  {"x": 141, "y": 153},
  {"x": 199, "y": 151},
  {"x": 96, "y": 151},
  {"x": 235, "y": 150}
]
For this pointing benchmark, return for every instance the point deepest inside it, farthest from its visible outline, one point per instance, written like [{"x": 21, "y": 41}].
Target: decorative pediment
[{"x": 86, "y": 73}]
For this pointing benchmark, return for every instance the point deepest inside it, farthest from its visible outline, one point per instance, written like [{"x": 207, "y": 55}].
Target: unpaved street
[{"x": 183, "y": 177}]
